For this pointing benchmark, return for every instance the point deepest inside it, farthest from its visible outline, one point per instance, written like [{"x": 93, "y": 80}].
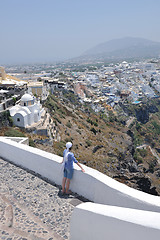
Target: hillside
[
  {"x": 129, "y": 153},
  {"x": 105, "y": 143}
]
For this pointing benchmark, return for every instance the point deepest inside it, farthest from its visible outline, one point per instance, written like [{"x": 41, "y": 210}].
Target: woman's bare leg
[
  {"x": 67, "y": 185},
  {"x": 63, "y": 184}
]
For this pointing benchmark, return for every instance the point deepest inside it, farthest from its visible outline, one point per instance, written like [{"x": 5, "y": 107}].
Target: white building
[{"x": 28, "y": 112}]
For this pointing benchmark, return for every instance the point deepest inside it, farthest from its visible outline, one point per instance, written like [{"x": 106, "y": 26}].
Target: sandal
[{"x": 69, "y": 192}]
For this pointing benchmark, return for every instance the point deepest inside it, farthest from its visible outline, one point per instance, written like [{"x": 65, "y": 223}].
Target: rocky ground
[{"x": 31, "y": 208}]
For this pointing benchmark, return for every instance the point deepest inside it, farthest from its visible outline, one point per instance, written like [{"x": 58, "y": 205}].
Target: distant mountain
[{"x": 123, "y": 48}]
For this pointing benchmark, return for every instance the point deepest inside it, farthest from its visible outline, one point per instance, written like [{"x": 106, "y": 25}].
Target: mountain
[{"x": 127, "y": 47}]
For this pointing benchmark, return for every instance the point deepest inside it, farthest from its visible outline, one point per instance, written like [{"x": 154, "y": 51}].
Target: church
[{"x": 28, "y": 112}]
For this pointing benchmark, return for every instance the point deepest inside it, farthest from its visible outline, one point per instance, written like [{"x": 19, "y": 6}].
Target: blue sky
[{"x": 46, "y": 30}]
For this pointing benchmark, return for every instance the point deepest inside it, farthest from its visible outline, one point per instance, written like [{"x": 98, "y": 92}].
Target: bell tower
[{"x": 2, "y": 73}]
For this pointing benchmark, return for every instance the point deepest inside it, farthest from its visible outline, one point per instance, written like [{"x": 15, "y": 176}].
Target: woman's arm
[
  {"x": 63, "y": 157},
  {"x": 62, "y": 161},
  {"x": 80, "y": 167}
]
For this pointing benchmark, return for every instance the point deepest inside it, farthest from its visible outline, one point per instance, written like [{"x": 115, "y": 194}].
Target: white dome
[{"x": 27, "y": 97}]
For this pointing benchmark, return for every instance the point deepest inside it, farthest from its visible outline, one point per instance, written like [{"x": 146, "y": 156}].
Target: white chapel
[{"x": 28, "y": 112}]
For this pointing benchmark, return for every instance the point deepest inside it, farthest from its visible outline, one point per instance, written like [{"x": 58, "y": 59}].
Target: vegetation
[
  {"x": 156, "y": 127},
  {"x": 59, "y": 146},
  {"x": 31, "y": 143},
  {"x": 11, "y": 132},
  {"x": 68, "y": 124},
  {"x": 5, "y": 119},
  {"x": 14, "y": 100},
  {"x": 93, "y": 130},
  {"x": 89, "y": 143},
  {"x": 105, "y": 132},
  {"x": 92, "y": 122},
  {"x": 102, "y": 140}
]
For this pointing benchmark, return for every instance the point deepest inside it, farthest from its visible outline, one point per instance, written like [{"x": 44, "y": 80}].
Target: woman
[{"x": 68, "y": 159}]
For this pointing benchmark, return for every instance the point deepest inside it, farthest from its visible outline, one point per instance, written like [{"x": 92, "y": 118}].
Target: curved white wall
[
  {"x": 92, "y": 184},
  {"x": 95, "y": 221},
  {"x": 46, "y": 164}
]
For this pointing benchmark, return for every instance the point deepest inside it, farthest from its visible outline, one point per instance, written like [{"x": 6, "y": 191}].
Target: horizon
[{"x": 52, "y": 31}]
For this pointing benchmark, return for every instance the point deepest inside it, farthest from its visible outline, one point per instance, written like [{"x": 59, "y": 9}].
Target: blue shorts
[{"x": 68, "y": 173}]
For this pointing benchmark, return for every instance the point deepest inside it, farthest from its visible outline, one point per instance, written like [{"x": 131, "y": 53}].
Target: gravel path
[{"x": 32, "y": 208}]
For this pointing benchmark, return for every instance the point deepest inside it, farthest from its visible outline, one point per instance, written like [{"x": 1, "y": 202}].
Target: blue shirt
[{"x": 71, "y": 159}]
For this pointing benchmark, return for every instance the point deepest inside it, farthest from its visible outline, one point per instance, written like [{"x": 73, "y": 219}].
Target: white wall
[
  {"x": 95, "y": 221},
  {"x": 46, "y": 164},
  {"x": 100, "y": 188},
  {"x": 22, "y": 118},
  {"x": 22, "y": 140},
  {"x": 93, "y": 185}
]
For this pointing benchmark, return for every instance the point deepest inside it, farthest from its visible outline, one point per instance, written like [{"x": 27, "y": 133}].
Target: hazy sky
[{"x": 46, "y": 30}]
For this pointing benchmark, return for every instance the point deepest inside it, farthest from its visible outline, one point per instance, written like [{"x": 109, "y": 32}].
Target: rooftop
[{"x": 27, "y": 97}]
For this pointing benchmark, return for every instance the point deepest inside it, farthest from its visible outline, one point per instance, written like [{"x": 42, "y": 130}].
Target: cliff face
[
  {"x": 106, "y": 143},
  {"x": 143, "y": 112}
]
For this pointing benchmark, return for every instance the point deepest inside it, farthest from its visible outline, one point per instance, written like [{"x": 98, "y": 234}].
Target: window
[{"x": 18, "y": 119}]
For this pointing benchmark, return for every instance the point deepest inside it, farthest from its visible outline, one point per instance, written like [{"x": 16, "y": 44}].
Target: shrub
[
  {"x": 31, "y": 143},
  {"x": 142, "y": 152},
  {"x": 93, "y": 130},
  {"x": 10, "y": 121},
  {"x": 68, "y": 124},
  {"x": 138, "y": 126},
  {"x": 78, "y": 131},
  {"x": 89, "y": 143},
  {"x": 11, "y": 132},
  {"x": 57, "y": 119},
  {"x": 139, "y": 160},
  {"x": 156, "y": 126},
  {"x": 151, "y": 167},
  {"x": 92, "y": 122},
  {"x": 137, "y": 157},
  {"x": 95, "y": 124},
  {"x": 14, "y": 100}
]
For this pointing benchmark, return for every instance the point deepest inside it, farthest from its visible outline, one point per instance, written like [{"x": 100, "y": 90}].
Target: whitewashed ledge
[
  {"x": 97, "y": 221},
  {"x": 94, "y": 186},
  {"x": 22, "y": 140}
]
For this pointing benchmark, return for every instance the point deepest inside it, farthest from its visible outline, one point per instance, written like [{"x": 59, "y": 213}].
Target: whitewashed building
[{"x": 28, "y": 112}]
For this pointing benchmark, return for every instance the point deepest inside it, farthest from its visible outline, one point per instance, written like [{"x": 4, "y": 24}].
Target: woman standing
[{"x": 68, "y": 159}]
